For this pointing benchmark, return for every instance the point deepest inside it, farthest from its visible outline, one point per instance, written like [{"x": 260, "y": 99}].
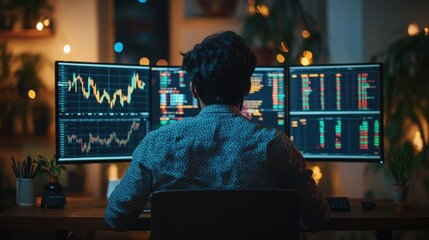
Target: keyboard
[{"x": 338, "y": 203}]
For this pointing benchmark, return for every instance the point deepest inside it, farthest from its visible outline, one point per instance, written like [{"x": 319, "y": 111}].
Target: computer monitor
[
  {"x": 336, "y": 111},
  {"x": 266, "y": 102},
  {"x": 172, "y": 99},
  {"x": 102, "y": 111}
]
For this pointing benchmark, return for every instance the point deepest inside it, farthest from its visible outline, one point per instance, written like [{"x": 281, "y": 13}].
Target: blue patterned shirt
[{"x": 217, "y": 149}]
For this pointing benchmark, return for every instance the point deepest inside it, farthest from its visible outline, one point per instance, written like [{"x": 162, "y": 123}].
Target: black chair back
[{"x": 225, "y": 214}]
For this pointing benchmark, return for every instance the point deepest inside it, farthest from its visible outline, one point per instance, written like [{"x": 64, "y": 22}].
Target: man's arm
[
  {"x": 126, "y": 202},
  {"x": 314, "y": 209}
]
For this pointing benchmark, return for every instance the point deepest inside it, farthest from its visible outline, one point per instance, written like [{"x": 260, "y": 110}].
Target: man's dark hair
[{"x": 220, "y": 68}]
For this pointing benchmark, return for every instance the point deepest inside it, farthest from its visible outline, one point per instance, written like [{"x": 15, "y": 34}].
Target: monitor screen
[
  {"x": 172, "y": 99},
  {"x": 336, "y": 111},
  {"x": 102, "y": 110},
  {"x": 265, "y": 104}
]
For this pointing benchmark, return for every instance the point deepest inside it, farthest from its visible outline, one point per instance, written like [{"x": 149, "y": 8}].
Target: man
[{"x": 219, "y": 148}]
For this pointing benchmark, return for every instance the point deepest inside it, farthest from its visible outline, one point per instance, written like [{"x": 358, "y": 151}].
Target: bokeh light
[
  {"x": 39, "y": 26},
  {"x": 67, "y": 49},
  {"x": 118, "y": 47},
  {"x": 413, "y": 29},
  {"x": 280, "y": 58},
  {"x": 144, "y": 61},
  {"x": 162, "y": 62},
  {"x": 31, "y": 94},
  {"x": 305, "y": 33}
]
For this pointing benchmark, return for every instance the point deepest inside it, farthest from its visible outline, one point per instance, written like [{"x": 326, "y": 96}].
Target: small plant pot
[
  {"x": 53, "y": 196},
  {"x": 399, "y": 194}
]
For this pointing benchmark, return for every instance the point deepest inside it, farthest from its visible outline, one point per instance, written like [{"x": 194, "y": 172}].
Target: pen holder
[{"x": 25, "y": 192}]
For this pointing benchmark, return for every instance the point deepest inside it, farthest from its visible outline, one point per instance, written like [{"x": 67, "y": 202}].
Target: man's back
[{"x": 219, "y": 148}]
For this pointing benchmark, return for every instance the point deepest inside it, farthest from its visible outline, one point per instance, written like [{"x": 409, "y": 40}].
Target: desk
[
  {"x": 88, "y": 214},
  {"x": 78, "y": 214}
]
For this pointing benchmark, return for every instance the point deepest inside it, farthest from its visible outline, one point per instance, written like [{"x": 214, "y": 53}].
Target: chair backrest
[{"x": 225, "y": 214}]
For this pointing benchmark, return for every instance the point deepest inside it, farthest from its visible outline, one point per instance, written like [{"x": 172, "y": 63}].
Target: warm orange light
[
  {"x": 263, "y": 10},
  {"x": 413, "y": 29},
  {"x": 317, "y": 174},
  {"x": 31, "y": 94},
  {"x": 307, "y": 54},
  {"x": 417, "y": 141},
  {"x": 144, "y": 61},
  {"x": 280, "y": 58},
  {"x": 426, "y": 30},
  {"x": 113, "y": 172},
  {"x": 305, "y": 61},
  {"x": 46, "y": 22},
  {"x": 162, "y": 62},
  {"x": 284, "y": 47},
  {"x": 251, "y": 9},
  {"x": 305, "y": 33}
]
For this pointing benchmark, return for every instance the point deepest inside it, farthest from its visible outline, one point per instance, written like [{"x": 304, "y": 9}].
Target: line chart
[
  {"x": 102, "y": 88},
  {"x": 102, "y": 141},
  {"x": 92, "y": 138},
  {"x": 104, "y": 95}
]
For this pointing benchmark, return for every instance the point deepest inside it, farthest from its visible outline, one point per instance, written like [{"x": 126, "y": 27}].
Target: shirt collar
[{"x": 217, "y": 108}]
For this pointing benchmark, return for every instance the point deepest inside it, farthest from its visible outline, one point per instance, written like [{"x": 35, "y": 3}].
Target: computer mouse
[{"x": 368, "y": 205}]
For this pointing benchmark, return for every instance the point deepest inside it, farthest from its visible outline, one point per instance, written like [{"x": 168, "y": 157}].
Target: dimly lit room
[{"x": 91, "y": 87}]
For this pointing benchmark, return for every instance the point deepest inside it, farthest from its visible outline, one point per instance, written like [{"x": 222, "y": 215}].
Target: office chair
[{"x": 225, "y": 214}]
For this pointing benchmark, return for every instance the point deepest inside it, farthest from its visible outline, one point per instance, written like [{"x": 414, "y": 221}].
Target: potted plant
[
  {"x": 406, "y": 84},
  {"x": 53, "y": 196},
  {"x": 275, "y": 26},
  {"x": 400, "y": 164},
  {"x": 406, "y": 108},
  {"x": 28, "y": 78}
]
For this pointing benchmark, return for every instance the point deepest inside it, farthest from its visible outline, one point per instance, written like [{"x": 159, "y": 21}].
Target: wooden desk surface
[
  {"x": 385, "y": 217},
  {"x": 78, "y": 214},
  {"x": 88, "y": 214}
]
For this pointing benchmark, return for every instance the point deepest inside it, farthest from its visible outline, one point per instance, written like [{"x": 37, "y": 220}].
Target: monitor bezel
[
  {"x": 57, "y": 118},
  {"x": 340, "y": 158}
]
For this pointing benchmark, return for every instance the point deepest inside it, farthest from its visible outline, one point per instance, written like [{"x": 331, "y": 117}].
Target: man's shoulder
[{"x": 171, "y": 127}]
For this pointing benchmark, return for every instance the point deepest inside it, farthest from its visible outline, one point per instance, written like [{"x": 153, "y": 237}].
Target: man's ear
[{"x": 194, "y": 90}]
